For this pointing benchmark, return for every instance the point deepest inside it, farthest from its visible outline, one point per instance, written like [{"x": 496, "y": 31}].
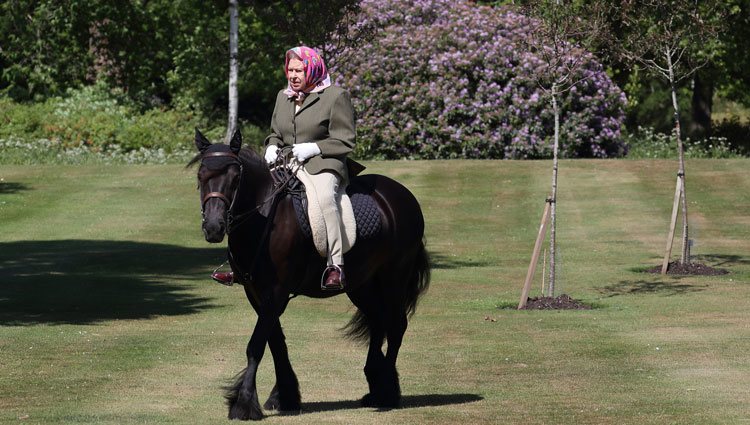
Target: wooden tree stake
[
  {"x": 672, "y": 225},
  {"x": 535, "y": 256}
]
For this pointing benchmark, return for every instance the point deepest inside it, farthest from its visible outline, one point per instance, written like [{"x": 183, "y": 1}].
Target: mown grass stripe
[{"x": 107, "y": 314}]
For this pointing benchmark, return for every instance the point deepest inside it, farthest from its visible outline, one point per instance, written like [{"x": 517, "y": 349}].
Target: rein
[
  {"x": 280, "y": 183},
  {"x": 281, "y": 176}
]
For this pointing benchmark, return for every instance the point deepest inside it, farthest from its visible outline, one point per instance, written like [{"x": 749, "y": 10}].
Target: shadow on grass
[
  {"x": 712, "y": 260},
  {"x": 7, "y": 188},
  {"x": 88, "y": 281},
  {"x": 721, "y": 260},
  {"x": 443, "y": 262},
  {"x": 660, "y": 287},
  {"x": 407, "y": 402}
]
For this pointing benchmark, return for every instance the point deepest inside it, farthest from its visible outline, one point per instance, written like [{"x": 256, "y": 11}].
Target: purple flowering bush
[{"x": 450, "y": 79}]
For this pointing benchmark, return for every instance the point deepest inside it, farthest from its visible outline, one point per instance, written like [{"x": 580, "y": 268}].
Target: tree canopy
[
  {"x": 174, "y": 54},
  {"x": 159, "y": 52}
]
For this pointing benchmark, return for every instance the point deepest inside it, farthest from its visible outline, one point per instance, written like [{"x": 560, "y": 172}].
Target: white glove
[
  {"x": 304, "y": 151},
  {"x": 272, "y": 153}
]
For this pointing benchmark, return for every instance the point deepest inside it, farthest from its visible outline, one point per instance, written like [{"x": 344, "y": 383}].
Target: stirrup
[
  {"x": 340, "y": 286},
  {"x": 222, "y": 282}
]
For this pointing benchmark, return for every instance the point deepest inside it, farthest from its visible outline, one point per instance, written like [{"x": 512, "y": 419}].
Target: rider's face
[{"x": 295, "y": 73}]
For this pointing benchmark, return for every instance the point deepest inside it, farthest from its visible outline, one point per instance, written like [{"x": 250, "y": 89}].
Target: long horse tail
[
  {"x": 358, "y": 328},
  {"x": 419, "y": 280}
]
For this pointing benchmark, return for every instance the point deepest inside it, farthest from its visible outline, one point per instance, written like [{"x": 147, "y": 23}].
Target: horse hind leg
[
  {"x": 374, "y": 366},
  {"x": 380, "y": 370},
  {"x": 398, "y": 299},
  {"x": 390, "y": 389}
]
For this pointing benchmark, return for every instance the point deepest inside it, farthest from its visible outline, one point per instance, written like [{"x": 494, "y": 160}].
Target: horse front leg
[
  {"x": 242, "y": 398},
  {"x": 285, "y": 395}
]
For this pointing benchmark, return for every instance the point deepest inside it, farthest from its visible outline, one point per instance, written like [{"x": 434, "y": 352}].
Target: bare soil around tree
[
  {"x": 561, "y": 302},
  {"x": 693, "y": 269}
]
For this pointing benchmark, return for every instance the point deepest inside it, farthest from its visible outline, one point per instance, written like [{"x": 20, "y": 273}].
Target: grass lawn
[{"x": 107, "y": 314}]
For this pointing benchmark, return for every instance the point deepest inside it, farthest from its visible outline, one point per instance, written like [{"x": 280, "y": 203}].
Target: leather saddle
[{"x": 367, "y": 214}]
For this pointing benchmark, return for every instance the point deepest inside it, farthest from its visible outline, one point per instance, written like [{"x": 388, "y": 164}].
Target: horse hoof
[
  {"x": 277, "y": 403},
  {"x": 290, "y": 408},
  {"x": 272, "y": 403},
  {"x": 236, "y": 412},
  {"x": 383, "y": 402},
  {"x": 368, "y": 400}
]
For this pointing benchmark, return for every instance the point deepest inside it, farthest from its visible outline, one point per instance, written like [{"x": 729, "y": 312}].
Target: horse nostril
[{"x": 214, "y": 230}]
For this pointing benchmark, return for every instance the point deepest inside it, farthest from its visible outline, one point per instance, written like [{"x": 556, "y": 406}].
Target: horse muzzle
[
  {"x": 214, "y": 216},
  {"x": 214, "y": 230}
]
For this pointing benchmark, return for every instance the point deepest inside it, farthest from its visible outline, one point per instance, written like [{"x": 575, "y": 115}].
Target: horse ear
[
  {"x": 201, "y": 143},
  {"x": 236, "y": 143}
]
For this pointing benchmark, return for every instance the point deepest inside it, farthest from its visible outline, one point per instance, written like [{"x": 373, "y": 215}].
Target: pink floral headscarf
[{"x": 316, "y": 73}]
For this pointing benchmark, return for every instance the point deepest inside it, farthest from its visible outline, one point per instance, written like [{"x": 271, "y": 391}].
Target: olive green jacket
[{"x": 326, "y": 118}]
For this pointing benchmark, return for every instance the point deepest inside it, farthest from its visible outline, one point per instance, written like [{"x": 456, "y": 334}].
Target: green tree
[
  {"x": 561, "y": 39},
  {"x": 671, "y": 39},
  {"x": 42, "y": 49},
  {"x": 158, "y": 51},
  {"x": 727, "y": 74},
  {"x": 49, "y": 46}
]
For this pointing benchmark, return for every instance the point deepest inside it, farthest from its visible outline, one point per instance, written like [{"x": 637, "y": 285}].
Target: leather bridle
[
  {"x": 218, "y": 195},
  {"x": 280, "y": 183}
]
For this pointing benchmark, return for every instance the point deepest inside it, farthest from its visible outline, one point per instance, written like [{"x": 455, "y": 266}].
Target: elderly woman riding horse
[
  {"x": 316, "y": 119},
  {"x": 387, "y": 268}
]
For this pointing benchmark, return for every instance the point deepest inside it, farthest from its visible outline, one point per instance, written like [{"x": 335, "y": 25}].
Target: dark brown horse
[{"x": 386, "y": 273}]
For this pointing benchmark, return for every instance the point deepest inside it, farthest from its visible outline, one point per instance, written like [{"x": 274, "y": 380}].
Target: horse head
[{"x": 219, "y": 178}]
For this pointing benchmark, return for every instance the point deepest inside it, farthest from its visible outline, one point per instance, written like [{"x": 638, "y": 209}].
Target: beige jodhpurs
[{"x": 325, "y": 190}]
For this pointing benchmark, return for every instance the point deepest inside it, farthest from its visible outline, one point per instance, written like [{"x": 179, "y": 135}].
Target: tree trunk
[
  {"x": 702, "y": 104},
  {"x": 685, "y": 257},
  {"x": 553, "y": 197},
  {"x": 234, "y": 19}
]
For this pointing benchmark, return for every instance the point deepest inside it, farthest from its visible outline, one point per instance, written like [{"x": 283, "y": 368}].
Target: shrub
[
  {"x": 98, "y": 117},
  {"x": 44, "y": 151},
  {"x": 647, "y": 143},
  {"x": 94, "y": 124},
  {"x": 24, "y": 120},
  {"x": 736, "y": 132},
  {"x": 447, "y": 79}
]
